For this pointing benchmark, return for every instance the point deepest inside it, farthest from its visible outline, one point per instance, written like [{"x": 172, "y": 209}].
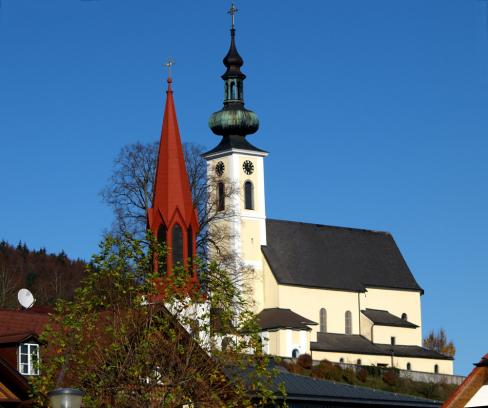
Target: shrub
[
  {"x": 305, "y": 361},
  {"x": 362, "y": 375},
  {"x": 390, "y": 377},
  {"x": 348, "y": 375},
  {"x": 328, "y": 371}
]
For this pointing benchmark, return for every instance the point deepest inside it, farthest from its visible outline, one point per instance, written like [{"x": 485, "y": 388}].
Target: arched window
[
  {"x": 341, "y": 360},
  {"x": 162, "y": 234},
  {"x": 323, "y": 320},
  {"x": 359, "y": 362},
  {"x": 404, "y": 316},
  {"x": 239, "y": 90},
  {"x": 220, "y": 196},
  {"x": 248, "y": 196},
  {"x": 348, "y": 322},
  {"x": 295, "y": 353},
  {"x": 177, "y": 245},
  {"x": 409, "y": 366},
  {"x": 162, "y": 230},
  {"x": 436, "y": 369},
  {"x": 226, "y": 90},
  {"x": 232, "y": 90}
]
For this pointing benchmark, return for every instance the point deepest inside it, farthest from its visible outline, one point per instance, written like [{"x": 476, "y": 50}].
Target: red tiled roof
[
  {"x": 22, "y": 321},
  {"x": 17, "y": 338}
]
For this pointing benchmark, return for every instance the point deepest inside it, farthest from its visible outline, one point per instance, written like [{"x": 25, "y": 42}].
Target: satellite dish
[{"x": 26, "y": 299}]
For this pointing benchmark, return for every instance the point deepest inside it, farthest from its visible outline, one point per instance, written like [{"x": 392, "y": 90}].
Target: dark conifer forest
[{"x": 48, "y": 276}]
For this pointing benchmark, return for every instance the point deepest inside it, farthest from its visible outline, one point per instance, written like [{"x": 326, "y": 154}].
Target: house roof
[
  {"x": 385, "y": 318},
  {"x": 276, "y": 318},
  {"x": 308, "y": 389},
  {"x": 321, "y": 256},
  {"x": 356, "y": 344},
  {"x": 472, "y": 390},
  {"x": 22, "y": 321},
  {"x": 13, "y": 386},
  {"x": 17, "y": 337}
]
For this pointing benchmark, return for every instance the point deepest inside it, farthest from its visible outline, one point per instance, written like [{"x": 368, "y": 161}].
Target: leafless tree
[
  {"x": 129, "y": 192},
  {"x": 9, "y": 283}
]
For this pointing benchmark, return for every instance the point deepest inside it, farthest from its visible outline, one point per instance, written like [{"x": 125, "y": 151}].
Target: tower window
[
  {"x": 177, "y": 245},
  {"x": 220, "y": 196},
  {"x": 393, "y": 341},
  {"x": 348, "y": 322},
  {"x": 323, "y": 320},
  {"x": 232, "y": 90},
  {"x": 162, "y": 234},
  {"x": 248, "y": 196}
]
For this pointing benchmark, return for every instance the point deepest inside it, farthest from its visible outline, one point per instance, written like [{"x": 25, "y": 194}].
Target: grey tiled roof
[
  {"x": 307, "y": 389},
  {"x": 385, "y": 318},
  {"x": 321, "y": 256},
  {"x": 276, "y": 318},
  {"x": 355, "y": 344}
]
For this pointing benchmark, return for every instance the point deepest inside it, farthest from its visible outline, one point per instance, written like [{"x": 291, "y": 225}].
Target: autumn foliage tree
[
  {"x": 438, "y": 341},
  {"x": 133, "y": 338}
]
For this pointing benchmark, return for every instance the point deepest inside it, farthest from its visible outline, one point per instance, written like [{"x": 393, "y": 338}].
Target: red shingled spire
[{"x": 173, "y": 218}]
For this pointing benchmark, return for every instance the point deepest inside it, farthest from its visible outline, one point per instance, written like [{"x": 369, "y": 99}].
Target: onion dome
[
  {"x": 233, "y": 61},
  {"x": 233, "y": 121}
]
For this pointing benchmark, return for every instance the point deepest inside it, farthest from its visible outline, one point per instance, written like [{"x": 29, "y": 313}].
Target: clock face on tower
[
  {"x": 219, "y": 168},
  {"x": 248, "y": 167}
]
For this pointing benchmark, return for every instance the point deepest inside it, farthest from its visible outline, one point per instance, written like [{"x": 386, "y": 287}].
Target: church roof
[
  {"x": 356, "y": 344},
  {"x": 276, "y": 318},
  {"x": 385, "y": 318},
  {"x": 321, "y": 256}
]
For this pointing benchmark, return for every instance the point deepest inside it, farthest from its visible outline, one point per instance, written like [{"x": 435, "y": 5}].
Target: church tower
[
  {"x": 173, "y": 218},
  {"x": 235, "y": 161}
]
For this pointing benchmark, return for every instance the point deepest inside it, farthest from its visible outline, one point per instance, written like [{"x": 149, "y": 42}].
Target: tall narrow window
[
  {"x": 177, "y": 245},
  {"x": 436, "y": 369},
  {"x": 248, "y": 196},
  {"x": 392, "y": 340},
  {"x": 162, "y": 230},
  {"x": 323, "y": 320},
  {"x": 348, "y": 322},
  {"x": 28, "y": 359},
  {"x": 220, "y": 196},
  {"x": 162, "y": 234},
  {"x": 409, "y": 366}
]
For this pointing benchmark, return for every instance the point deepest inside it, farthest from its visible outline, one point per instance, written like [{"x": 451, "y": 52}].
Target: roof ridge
[{"x": 333, "y": 226}]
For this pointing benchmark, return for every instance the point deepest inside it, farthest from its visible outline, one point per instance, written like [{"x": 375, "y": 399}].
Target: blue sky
[{"x": 374, "y": 113}]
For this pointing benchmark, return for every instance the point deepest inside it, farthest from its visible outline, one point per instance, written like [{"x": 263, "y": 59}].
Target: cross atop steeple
[
  {"x": 169, "y": 64},
  {"x": 232, "y": 11}
]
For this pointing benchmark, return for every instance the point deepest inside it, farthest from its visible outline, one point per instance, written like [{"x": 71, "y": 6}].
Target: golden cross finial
[
  {"x": 233, "y": 10},
  {"x": 169, "y": 64}
]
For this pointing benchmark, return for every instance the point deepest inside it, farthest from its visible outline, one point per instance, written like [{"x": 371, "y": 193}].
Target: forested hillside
[{"x": 48, "y": 276}]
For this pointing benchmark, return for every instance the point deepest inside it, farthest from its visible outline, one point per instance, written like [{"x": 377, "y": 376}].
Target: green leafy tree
[
  {"x": 135, "y": 338},
  {"x": 438, "y": 341}
]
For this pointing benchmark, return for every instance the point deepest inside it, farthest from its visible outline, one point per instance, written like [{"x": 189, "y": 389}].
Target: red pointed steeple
[{"x": 172, "y": 218}]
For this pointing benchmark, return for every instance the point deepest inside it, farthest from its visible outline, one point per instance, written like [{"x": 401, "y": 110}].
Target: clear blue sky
[{"x": 374, "y": 113}]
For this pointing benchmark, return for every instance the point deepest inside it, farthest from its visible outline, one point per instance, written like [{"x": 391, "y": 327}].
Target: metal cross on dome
[
  {"x": 169, "y": 64},
  {"x": 233, "y": 10}
]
